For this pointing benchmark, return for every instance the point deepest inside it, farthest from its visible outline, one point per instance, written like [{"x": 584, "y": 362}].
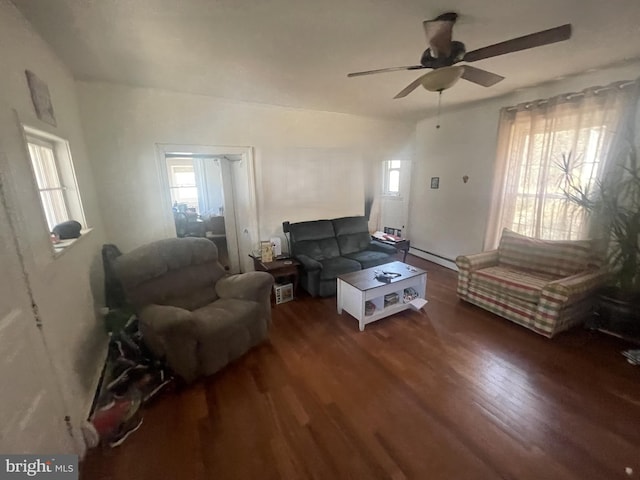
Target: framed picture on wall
[
  {"x": 40, "y": 98},
  {"x": 435, "y": 182}
]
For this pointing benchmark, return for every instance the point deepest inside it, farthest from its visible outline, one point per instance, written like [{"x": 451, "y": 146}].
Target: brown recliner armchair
[{"x": 192, "y": 312}]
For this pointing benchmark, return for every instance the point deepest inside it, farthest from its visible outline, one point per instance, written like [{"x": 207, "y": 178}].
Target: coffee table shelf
[{"x": 356, "y": 288}]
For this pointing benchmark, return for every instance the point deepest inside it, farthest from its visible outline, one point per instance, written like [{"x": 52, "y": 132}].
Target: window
[
  {"x": 540, "y": 207},
  {"x": 43, "y": 161},
  {"x": 391, "y": 177},
  {"x": 55, "y": 179},
  {"x": 182, "y": 182},
  {"x": 195, "y": 184},
  {"x": 534, "y": 140}
]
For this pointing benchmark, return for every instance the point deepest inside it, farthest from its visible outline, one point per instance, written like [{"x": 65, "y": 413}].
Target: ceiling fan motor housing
[{"x": 457, "y": 54}]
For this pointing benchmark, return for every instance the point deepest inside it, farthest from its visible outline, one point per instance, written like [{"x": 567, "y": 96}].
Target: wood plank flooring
[{"x": 451, "y": 393}]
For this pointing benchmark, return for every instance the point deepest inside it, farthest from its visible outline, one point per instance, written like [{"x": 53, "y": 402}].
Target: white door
[
  {"x": 394, "y": 205},
  {"x": 32, "y": 417}
]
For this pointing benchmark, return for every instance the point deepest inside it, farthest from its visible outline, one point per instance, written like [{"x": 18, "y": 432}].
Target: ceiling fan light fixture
[{"x": 442, "y": 78}]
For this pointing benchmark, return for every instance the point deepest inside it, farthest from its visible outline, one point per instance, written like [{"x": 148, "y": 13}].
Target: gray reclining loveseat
[{"x": 329, "y": 248}]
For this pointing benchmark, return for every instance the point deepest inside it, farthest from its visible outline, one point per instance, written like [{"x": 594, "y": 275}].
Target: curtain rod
[{"x": 569, "y": 96}]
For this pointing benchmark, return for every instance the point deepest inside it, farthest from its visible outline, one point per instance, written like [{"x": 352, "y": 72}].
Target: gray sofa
[
  {"x": 329, "y": 248},
  {"x": 191, "y": 312}
]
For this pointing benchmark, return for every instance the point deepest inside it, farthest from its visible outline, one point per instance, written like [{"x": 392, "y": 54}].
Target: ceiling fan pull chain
[{"x": 438, "y": 114}]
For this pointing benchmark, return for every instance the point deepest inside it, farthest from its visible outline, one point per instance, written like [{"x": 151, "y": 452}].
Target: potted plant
[{"x": 613, "y": 205}]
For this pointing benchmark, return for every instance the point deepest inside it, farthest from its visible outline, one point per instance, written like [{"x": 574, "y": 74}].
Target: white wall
[
  {"x": 451, "y": 220},
  {"x": 308, "y": 164},
  {"x": 67, "y": 288}
]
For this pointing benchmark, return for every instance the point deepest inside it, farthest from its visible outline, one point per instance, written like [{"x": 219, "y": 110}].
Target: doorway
[
  {"x": 206, "y": 196},
  {"x": 394, "y": 199}
]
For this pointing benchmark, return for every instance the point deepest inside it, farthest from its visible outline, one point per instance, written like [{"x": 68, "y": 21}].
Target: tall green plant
[{"x": 613, "y": 204}]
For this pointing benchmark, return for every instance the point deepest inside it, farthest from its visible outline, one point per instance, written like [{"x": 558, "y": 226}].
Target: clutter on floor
[{"x": 132, "y": 377}]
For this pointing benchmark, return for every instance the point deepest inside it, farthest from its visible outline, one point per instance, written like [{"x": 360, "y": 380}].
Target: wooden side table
[
  {"x": 280, "y": 268},
  {"x": 403, "y": 245}
]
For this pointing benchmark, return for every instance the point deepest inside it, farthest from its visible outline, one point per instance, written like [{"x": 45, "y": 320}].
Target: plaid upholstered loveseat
[{"x": 546, "y": 286}]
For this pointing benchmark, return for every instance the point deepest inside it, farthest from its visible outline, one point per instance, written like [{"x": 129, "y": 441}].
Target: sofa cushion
[
  {"x": 332, "y": 267},
  {"x": 561, "y": 258},
  {"x": 312, "y": 230},
  {"x": 352, "y": 234},
  {"x": 514, "y": 283},
  {"x": 318, "y": 249},
  {"x": 316, "y": 239},
  {"x": 370, "y": 258}
]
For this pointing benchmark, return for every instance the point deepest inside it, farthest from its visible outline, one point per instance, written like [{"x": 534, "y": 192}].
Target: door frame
[
  {"x": 45, "y": 419},
  {"x": 245, "y": 206},
  {"x": 404, "y": 197}
]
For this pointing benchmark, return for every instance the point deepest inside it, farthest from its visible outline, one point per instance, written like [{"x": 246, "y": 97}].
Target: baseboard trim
[
  {"x": 91, "y": 400},
  {"x": 435, "y": 258}
]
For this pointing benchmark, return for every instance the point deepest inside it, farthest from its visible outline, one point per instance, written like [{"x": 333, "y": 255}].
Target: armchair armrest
[
  {"x": 309, "y": 263},
  {"x": 171, "y": 332},
  {"x": 477, "y": 261},
  {"x": 469, "y": 263},
  {"x": 255, "y": 286},
  {"x": 574, "y": 288},
  {"x": 382, "y": 247},
  {"x": 565, "y": 302}
]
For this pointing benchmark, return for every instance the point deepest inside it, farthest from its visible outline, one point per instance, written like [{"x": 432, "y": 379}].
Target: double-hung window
[
  {"x": 55, "y": 179},
  {"x": 46, "y": 171},
  {"x": 182, "y": 182},
  {"x": 391, "y": 177}
]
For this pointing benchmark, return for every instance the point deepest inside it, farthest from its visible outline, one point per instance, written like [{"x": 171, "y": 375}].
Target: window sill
[{"x": 63, "y": 245}]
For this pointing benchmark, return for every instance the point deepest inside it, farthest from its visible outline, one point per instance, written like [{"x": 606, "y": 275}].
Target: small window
[
  {"x": 45, "y": 168},
  {"x": 55, "y": 178},
  {"x": 391, "y": 177}
]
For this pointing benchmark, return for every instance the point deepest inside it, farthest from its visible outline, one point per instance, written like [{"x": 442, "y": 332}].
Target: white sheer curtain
[
  {"x": 534, "y": 138},
  {"x": 208, "y": 177}
]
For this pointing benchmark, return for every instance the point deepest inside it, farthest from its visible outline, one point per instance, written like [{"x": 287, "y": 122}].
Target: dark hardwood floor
[{"x": 452, "y": 393}]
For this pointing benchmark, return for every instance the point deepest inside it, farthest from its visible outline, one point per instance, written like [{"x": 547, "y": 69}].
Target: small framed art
[
  {"x": 266, "y": 252},
  {"x": 435, "y": 182},
  {"x": 40, "y": 98}
]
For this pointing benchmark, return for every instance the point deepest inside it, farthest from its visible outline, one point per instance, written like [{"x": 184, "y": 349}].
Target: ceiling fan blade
[
  {"x": 481, "y": 77},
  {"x": 411, "y": 87},
  {"x": 438, "y": 33},
  {"x": 532, "y": 40},
  {"x": 383, "y": 70}
]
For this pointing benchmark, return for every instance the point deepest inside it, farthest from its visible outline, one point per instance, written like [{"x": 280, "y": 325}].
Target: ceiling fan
[{"x": 443, "y": 53}]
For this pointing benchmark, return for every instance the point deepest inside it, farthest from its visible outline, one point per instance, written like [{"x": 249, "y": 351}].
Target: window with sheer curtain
[{"x": 534, "y": 140}]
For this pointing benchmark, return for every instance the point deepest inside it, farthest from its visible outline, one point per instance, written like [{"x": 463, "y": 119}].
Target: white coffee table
[{"x": 356, "y": 288}]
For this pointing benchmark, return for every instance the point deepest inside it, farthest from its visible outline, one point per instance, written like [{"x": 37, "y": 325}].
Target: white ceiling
[{"x": 297, "y": 52}]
